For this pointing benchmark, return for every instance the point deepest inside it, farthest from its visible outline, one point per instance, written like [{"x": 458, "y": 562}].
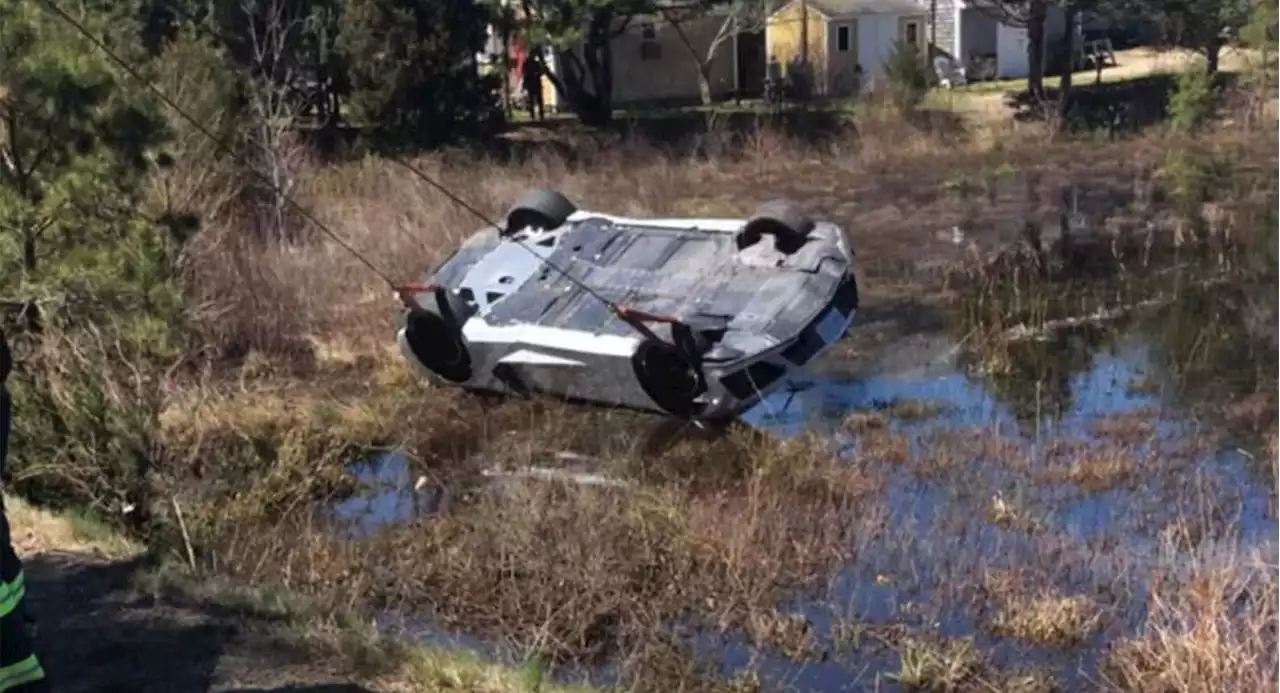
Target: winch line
[{"x": 623, "y": 312}]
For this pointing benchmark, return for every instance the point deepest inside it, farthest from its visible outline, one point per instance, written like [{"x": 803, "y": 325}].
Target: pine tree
[
  {"x": 413, "y": 72},
  {"x": 76, "y": 143}
]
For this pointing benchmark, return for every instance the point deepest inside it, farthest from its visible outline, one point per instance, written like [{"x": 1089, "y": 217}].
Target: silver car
[{"x": 692, "y": 318}]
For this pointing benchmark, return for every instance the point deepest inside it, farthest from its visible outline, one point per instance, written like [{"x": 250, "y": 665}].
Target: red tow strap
[
  {"x": 406, "y": 292},
  {"x": 624, "y": 312}
]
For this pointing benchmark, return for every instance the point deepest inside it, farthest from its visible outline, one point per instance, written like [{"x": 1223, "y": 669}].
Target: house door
[
  {"x": 751, "y": 63},
  {"x": 911, "y": 31},
  {"x": 842, "y": 63}
]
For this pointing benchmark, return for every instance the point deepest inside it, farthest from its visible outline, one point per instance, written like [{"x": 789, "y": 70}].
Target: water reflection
[
  {"x": 388, "y": 493},
  {"x": 1086, "y": 384}
]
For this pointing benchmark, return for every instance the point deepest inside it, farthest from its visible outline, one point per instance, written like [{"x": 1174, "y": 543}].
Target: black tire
[
  {"x": 668, "y": 378},
  {"x": 435, "y": 338},
  {"x": 542, "y": 208},
  {"x": 784, "y": 220}
]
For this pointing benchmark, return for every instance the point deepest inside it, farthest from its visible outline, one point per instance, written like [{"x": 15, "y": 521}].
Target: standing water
[{"x": 1094, "y": 457}]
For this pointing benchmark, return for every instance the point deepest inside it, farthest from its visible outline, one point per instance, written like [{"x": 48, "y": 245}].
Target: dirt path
[{"x": 98, "y": 632}]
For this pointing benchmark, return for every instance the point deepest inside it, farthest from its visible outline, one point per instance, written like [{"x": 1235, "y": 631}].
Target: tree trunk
[
  {"x": 570, "y": 86},
  {"x": 586, "y": 82},
  {"x": 1035, "y": 49},
  {"x": 601, "y": 62},
  {"x": 1212, "y": 53},
  {"x": 1068, "y": 65},
  {"x": 704, "y": 83},
  {"x": 29, "y": 252}
]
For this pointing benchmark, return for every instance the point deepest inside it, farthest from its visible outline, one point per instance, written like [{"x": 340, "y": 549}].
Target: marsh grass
[
  {"x": 501, "y": 562},
  {"x": 942, "y": 667},
  {"x": 1049, "y": 619},
  {"x": 1211, "y": 627},
  {"x": 295, "y": 381},
  {"x": 1272, "y": 466},
  {"x": 342, "y": 638}
]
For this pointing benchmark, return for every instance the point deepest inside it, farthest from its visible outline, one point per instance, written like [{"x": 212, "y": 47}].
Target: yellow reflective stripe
[
  {"x": 11, "y": 593},
  {"x": 25, "y": 671}
]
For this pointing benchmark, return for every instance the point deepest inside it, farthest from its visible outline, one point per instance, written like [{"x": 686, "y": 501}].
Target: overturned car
[{"x": 692, "y": 318}]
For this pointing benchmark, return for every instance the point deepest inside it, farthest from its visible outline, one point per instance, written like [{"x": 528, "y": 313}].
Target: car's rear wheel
[
  {"x": 784, "y": 220},
  {"x": 540, "y": 208},
  {"x": 435, "y": 338},
  {"x": 668, "y": 378}
]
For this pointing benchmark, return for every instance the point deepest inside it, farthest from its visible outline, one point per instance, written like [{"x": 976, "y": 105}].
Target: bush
[
  {"x": 907, "y": 75},
  {"x": 1192, "y": 101}
]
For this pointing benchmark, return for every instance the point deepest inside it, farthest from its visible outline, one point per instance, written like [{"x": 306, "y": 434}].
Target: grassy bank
[{"x": 272, "y": 617}]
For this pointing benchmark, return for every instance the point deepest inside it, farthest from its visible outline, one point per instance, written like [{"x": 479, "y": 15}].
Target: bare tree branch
[
  {"x": 739, "y": 16},
  {"x": 272, "y": 101}
]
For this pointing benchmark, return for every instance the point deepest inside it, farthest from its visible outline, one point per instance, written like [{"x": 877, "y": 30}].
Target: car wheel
[
  {"x": 541, "y": 208},
  {"x": 668, "y": 378},
  {"x": 784, "y": 220},
  {"x": 435, "y": 338}
]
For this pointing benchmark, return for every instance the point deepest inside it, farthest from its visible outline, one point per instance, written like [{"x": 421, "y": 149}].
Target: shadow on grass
[
  {"x": 1128, "y": 105},
  {"x": 92, "y": 638},
  {"x": 97, "y": 633}
]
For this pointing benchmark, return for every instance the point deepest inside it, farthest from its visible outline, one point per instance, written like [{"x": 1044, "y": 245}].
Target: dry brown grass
[
  {"x": 1094, "y": 467},
  {"x": 1090, "y": 465},
  {"x": 35, "y": 530},
  {"x": 338, "y": 640},
  {"x": 583, "y": 571},
  {"x": 1047, "y": 618},
  {"x": 1011, "y": 513},
  {"x": 1128, "y": 428},
  {"x": 1212, "y": 628},
  {"x": 887, "y": 183},
  {"x": 943, "y": 667},
  {"x": 279, "y": 298}
]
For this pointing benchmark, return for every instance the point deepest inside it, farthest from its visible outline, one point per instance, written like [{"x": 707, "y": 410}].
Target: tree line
[{"x": 409, "y": 71}]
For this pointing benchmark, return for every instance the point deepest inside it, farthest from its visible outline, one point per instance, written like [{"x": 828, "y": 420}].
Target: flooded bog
[{"x": 1032, "y": 497}]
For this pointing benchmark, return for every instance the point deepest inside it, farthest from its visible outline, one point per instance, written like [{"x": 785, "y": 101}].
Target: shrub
[
  {"x": 907, "y": 75},
  {"x": 1192, "y": 101}
]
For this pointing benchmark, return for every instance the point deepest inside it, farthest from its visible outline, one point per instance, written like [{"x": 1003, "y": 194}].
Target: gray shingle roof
[{"x": 835, "y": 9}]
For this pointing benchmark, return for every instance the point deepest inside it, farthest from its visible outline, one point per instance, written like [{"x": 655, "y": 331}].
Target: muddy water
[{"x": 1195, "y": 487}]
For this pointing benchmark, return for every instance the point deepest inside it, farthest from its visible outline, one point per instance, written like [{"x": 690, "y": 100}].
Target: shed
[
  {"x": 974, "y": 34},
  {"x": 842, "y": 35}
]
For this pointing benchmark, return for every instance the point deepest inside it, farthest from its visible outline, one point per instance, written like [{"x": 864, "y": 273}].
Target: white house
[{"x": 970, "y": 30}]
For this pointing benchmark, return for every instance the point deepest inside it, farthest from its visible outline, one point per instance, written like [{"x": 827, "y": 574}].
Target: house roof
[{"x": 837, "y": 9}]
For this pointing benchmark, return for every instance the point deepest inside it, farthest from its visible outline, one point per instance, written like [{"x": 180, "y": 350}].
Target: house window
[
  {"x": 913, "y": 33},
  {"x": 842, "y": 39},
  {"x": 650, "y": 49}
]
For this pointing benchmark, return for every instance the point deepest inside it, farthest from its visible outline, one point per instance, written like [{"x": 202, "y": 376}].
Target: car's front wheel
[
  {"x": 785, "y": 221},
  {"x": 540, "y": 208}
]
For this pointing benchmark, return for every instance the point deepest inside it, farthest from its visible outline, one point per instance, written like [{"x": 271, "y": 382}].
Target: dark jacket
[{"x": 6, "y": 365}]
